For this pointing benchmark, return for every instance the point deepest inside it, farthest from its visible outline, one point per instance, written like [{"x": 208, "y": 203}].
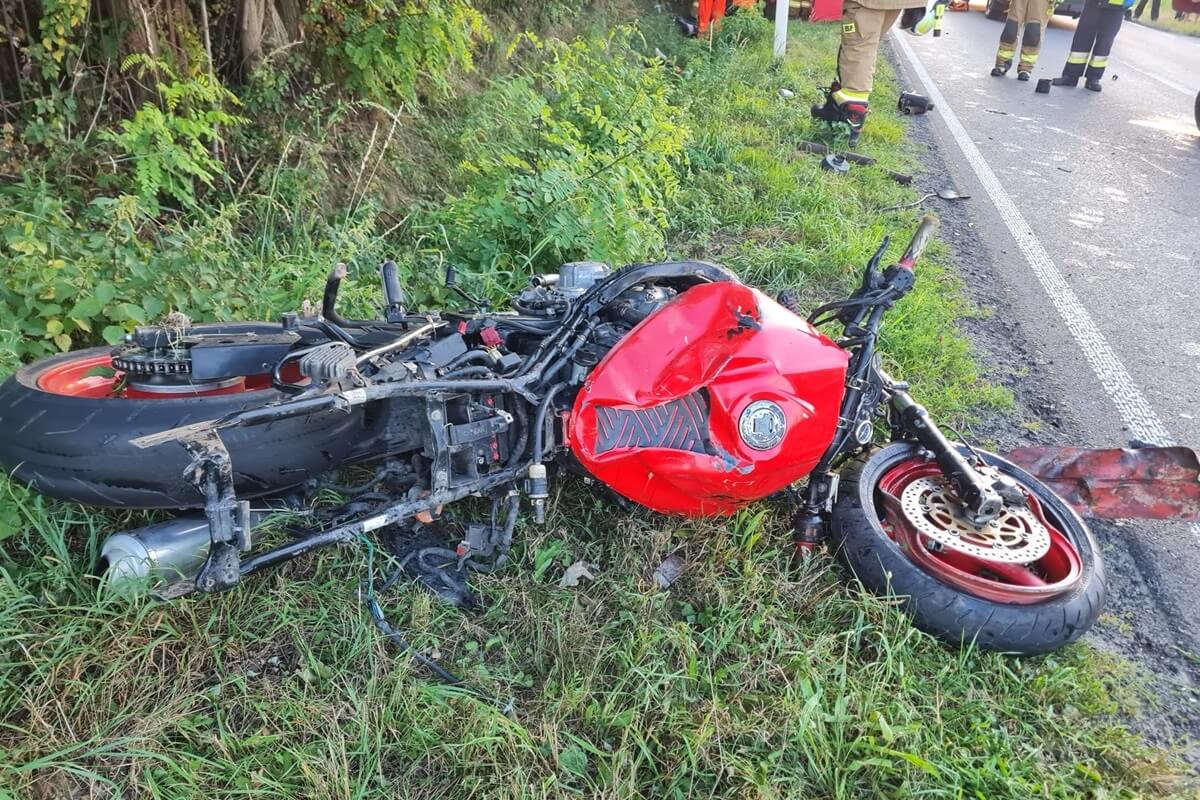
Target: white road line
[{"x": 1140, "y": 418}]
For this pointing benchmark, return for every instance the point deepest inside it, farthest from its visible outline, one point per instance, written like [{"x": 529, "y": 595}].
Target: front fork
[
  {"x": 976, "y": 492},
  {"x": 982, "y": 496}
]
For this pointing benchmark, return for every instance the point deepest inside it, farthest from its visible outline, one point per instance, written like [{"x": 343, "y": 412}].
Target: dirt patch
[{"x": 1141, "y": 621}]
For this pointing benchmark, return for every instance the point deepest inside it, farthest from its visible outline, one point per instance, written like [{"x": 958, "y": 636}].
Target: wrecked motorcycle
[{"x": 675, "y": 385}]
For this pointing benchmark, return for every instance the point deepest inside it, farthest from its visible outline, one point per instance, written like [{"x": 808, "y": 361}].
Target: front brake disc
[{"x": 1015, "y": 536}]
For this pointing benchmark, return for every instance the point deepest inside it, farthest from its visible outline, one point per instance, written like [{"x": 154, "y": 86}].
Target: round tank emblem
[{"x": 762, "y": 425}]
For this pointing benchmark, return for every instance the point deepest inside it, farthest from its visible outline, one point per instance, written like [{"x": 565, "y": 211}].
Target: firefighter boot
[{"x": 839, "y": 108}]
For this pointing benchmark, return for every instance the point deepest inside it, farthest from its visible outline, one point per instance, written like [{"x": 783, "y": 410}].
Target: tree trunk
[{"x": 266, "y": 26}]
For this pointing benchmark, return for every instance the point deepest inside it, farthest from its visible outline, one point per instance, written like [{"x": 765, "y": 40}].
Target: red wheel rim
[
  {"x": 92, "y": 377},
  {"x": 1056, "y": 571}
]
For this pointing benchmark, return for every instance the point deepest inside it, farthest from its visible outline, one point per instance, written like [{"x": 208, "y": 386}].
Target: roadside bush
[
  {"x": 392, "y": 51},
  {"x": 169, "y": 140},
  {"x": 572, "y": 157},
  {"x": 80, "y": 272}
]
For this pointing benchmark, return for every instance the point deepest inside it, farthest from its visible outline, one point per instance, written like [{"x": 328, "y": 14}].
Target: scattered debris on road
[{"x": 913, "y": 103}]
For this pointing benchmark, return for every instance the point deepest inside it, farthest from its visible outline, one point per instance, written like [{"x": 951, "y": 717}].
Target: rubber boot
[
  {"x": 999, "y": 72},
  {"x": 1022, "y": 75},
  {"x": 851, "y": 112},
  {"x": 829, "y": 112},
  {"x": 1064, "y": 81},
  {"x": 1092, "y": 84}
]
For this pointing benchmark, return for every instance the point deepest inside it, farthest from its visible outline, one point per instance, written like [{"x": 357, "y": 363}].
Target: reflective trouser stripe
[
  {"x": 1005, "y": 53},
  {"x": 1099, "y": 62},
  {"x": 1077, "y": 57},
  {"x": 845, "y": 96}
]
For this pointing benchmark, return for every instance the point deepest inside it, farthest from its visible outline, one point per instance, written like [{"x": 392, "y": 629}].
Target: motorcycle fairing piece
[
  {"x": 676, "y": 385},
  {"x": 721, "y": 398}
]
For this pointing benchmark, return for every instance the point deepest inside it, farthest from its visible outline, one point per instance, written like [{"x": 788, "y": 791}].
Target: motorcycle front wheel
[
  {"x": 68, "y": 429},
  {"x": 1029, "y": 582}
]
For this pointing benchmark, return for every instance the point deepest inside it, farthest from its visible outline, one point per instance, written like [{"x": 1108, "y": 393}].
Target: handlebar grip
[
  {"x": 921, "y": 239},
  {"x": 393, "y": 295}
]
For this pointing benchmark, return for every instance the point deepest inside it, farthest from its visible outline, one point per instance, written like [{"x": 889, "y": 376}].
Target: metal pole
[{"x": 781, "y": 21}]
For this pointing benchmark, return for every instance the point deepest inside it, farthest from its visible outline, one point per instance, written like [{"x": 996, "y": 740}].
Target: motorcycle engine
[{"x": 552, "y": 295}]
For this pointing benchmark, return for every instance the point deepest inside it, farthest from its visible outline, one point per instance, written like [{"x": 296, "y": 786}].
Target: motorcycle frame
[{"x": 870, "y": 392}]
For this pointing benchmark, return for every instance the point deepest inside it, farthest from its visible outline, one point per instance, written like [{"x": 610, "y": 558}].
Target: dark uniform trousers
[{"x": 1098, "y": 26}]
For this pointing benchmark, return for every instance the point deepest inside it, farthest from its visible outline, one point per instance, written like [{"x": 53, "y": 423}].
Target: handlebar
[{"x": 920, "y": 240}]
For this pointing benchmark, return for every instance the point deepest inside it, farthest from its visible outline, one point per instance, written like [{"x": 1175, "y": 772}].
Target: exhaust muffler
[{"x": 157, "y": 555}]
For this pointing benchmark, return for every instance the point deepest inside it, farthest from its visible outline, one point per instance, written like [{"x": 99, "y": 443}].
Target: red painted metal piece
[
  {"x": 1117, "y": 483},
  {"x": 658, "y": 419},
  {"x": 1056, "y": 572}
]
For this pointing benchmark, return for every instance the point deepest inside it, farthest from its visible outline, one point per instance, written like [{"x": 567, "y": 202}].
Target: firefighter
[
  {"x": 1098, "y": 27},
  {"x": 863, "y": 24},
  {"x": 1033, "y": 14}
]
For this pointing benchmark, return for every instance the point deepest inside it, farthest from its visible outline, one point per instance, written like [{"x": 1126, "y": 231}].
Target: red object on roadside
[
  {"x": 826, "y": 11},
  {"x": 669, "y": 416},
  {"x": 711, "y": 12}
]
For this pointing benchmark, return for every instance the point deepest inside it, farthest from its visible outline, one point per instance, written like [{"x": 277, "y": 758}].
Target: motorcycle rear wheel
[
  {"x": 1018, "y": 609},
  {"x": 66, "y": 435}
]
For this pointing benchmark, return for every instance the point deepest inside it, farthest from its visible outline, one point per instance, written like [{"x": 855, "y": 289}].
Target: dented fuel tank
[{"x": 716, "y": 400}]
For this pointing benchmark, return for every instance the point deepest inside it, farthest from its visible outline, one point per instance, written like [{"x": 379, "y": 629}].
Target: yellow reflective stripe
[
  {"x": 1007, "y": 54},
  {"x": 1100, "y": 62},
  {"x": 1077, "y": 57},
  {"x": 845, "y": 95}
]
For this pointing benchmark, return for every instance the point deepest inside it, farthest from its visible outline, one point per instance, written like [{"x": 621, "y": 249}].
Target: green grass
[
  {"x": 748, "y": 678},
  {"x": 1167, "y": 22}
]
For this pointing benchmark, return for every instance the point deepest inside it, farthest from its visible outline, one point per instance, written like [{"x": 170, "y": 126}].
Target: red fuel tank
[{"x": 716, "y": 400}]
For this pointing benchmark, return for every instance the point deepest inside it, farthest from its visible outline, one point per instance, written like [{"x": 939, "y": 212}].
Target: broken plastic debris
[{"x": 577, "y": 572}]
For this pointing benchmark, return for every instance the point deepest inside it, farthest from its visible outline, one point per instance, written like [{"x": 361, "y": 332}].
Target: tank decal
[{"x": 680, "y": 424}]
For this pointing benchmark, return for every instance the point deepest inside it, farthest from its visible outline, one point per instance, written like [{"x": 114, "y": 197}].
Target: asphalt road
[{"x": 1086, "y": 210}]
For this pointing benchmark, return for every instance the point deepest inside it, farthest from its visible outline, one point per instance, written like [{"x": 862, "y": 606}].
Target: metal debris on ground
[
  {"x": 668, "y": 571},
  {"x": 855, "y": 158},
  {"x": 942, "y": 194},
  {"x": 835, "y": 163},
  {"x": 1120, "y": 483}
]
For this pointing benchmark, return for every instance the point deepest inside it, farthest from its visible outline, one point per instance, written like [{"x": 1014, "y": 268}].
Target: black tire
[
  {"x": 945, "y": 611},
  {"x": 996, "y": 9},
  {"x": 78, "y": 448}
]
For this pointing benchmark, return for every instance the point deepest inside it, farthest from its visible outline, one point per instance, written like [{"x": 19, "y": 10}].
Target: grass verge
[
  {"x": 745, "y": 679},
  {"x": 1189, "y": 26}
]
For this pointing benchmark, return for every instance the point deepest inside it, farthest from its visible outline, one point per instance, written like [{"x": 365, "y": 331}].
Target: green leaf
[
  {"x": 113, "y": 334},
  {"x": 573, "y": 760},
  {"x": 54, "y": 327},
  {"x": 132, "y": 311},
  {"x": 86, "y": 308}
]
